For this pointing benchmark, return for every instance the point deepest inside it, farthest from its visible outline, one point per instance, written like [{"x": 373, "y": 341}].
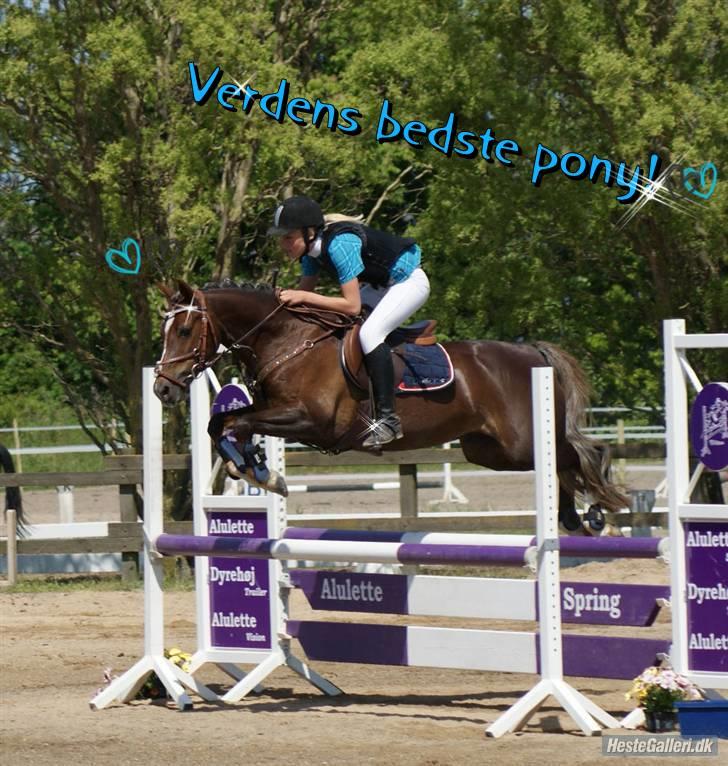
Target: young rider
[{"x": 373, "y": 268}]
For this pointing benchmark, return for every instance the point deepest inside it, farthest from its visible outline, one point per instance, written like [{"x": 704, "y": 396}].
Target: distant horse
[
  {"x": 12, "y": 494},
  {"x": 301, "y": 393}
]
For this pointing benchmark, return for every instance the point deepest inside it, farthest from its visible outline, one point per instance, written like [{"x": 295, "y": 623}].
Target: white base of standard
[
  {"x": 173, "y": 678},
  {"x": 588, "y": 716}
]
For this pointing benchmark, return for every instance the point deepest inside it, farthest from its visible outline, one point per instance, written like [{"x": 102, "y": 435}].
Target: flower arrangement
[{"x": 657, "y": 689}]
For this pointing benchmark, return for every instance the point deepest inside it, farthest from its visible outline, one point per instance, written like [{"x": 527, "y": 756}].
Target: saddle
[{"x": 420, "y": 362}]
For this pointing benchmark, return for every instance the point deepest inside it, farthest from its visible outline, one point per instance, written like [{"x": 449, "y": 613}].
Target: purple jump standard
[{"x": 318, "y": 550}]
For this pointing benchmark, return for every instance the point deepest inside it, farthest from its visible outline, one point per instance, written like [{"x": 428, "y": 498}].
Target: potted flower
[{"x": 656, "y": 691}]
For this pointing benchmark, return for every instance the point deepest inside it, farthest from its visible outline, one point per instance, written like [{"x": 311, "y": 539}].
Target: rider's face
[{"x": 293, "y": 244}]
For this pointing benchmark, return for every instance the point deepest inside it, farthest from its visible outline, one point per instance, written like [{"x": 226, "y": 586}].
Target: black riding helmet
[{"x": 296, "y": 213}]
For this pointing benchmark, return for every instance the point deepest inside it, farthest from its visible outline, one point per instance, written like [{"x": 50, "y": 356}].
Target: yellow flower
[{"x": 179, "y": 658}]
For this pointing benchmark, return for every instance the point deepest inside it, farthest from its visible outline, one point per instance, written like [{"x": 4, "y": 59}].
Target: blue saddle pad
[{"x": 426, "y": 368}]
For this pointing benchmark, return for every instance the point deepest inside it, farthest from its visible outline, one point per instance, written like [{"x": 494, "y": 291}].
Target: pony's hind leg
[
  {"x": 592, "y": 522},
  {"x": 568, "y": 516}
]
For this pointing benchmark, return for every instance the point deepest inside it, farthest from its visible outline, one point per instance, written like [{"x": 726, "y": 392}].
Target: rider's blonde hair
[{"x": 338, "y": 218}]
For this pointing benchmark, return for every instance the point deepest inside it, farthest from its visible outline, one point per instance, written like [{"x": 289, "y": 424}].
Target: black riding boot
[{"x": 381, "y": 372}]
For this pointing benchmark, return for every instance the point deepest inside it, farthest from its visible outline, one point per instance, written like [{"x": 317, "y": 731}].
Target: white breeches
[{"x": 392, "y": 307}]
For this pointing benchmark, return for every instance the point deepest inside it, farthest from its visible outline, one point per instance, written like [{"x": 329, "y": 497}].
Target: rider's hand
[{"x": 293, "y": 297}]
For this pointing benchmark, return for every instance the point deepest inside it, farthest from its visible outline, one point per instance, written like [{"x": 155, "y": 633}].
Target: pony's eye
[{"x": 183, "y": 332}]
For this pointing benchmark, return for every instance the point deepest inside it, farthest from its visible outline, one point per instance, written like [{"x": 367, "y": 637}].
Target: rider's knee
[{"x": 370, "y": 338}]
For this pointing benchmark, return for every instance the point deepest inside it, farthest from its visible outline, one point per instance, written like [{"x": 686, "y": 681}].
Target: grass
[
  {"x": 70, "y": 583},
  {"x": 176, "y": 578},
  {"x": 513, "y": 573},
  {"x": 83, "y": 462}
]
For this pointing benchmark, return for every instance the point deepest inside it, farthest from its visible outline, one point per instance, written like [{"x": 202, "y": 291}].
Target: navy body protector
[{"x": 379, "y": 251}]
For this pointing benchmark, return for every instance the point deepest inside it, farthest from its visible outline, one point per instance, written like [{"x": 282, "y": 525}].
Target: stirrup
[{"x": 385, "y": 430}]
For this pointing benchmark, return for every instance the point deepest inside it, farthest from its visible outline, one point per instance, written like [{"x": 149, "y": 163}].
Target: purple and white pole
[{"x": 344, "y": 550}]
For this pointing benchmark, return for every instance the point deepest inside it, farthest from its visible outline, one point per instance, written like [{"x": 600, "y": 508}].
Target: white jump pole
[{"x": 586, "y": 714}]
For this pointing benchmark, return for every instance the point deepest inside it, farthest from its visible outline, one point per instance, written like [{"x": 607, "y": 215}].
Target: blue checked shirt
[{"x": 345, "y": 254}]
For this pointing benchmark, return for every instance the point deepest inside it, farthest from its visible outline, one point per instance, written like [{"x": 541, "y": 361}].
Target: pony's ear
[
  {"x": 166, "y": 291},
  {"x": 185, "y": 290}
]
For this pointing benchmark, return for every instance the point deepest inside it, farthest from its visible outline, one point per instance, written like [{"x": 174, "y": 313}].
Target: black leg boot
[{"x": 381, "y": 372}]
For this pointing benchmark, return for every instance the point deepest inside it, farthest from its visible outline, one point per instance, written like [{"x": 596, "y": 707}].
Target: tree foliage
[{"x": 100, "y": 139}]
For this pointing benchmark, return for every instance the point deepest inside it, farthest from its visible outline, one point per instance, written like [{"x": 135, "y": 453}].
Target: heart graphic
[
  {"x": 112, "y": 254},
  {"x": 701, "y": 172}
]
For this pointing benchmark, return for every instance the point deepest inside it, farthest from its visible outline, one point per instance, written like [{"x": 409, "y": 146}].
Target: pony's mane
[{"x": 228, "y": 284}]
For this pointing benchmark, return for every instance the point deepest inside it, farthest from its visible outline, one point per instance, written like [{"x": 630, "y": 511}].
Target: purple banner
[
  {"x": 239, "y": 588},
  {"x": 588, "y": 656},
  {"x": 349, "y": 592},
  {"x": 351, "y": 642},
  {"x": 610, "y": 656},
  {"x": 706, "y": 577},
  {"x": 709, "y": 425},
  {"x": 583, "y": 603},
  {"x": 595, "y": 603}
]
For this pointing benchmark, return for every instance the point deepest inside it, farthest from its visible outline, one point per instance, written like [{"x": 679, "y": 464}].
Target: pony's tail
[
  {"x": 13, "y": 498},
  {"x": 594, "y": 459}
]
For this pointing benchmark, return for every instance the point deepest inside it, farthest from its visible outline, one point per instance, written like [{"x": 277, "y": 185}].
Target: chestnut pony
[{"x": 300, "y": 392}]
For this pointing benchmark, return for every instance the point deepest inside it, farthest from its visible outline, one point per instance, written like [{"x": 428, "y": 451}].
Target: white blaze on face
[{"x": 168, "y": 322}]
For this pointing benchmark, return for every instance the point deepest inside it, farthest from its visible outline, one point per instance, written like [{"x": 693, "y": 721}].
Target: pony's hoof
[
  {"x": 595, "y": 523},
  {"x": 277, "y": 484},
  {"x": 570, "y": 522},
  {"x": 274, "y": 483},
  {"x": 595, "y": 519},
  {"x": 232, "y": 470}
]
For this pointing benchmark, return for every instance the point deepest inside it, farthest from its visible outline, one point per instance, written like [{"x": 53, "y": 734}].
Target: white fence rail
[{"x": 636, "y": 433}]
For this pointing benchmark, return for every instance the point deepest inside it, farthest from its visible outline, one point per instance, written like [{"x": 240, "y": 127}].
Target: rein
[
  {"x": 324, "y": 317},
  {"x": 332, "y": 320}
]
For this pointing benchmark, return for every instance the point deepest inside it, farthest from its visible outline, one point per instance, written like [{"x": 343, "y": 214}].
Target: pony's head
[{"x": 190, "y": 342}]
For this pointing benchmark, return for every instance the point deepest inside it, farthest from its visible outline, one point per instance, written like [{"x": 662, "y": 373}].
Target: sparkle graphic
[
  {"x": 371, "y": 427},
  {"x": 659, "y": 191},
  {"x": 245, "y": 84}
]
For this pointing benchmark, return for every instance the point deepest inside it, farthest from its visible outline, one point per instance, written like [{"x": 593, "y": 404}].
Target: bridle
[
  {"x": 207, "y": 336},
  {"x": 199, "y": 352},
  {"x": 330, "y": 320}
]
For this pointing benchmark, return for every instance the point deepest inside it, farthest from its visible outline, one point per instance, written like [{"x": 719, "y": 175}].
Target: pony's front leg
[
  {"x": 291, "y": 423},
  {"x": 232, "y": 435}
]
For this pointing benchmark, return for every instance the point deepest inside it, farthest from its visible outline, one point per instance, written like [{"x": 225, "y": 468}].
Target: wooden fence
[{"x": 125, "y": 471}]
